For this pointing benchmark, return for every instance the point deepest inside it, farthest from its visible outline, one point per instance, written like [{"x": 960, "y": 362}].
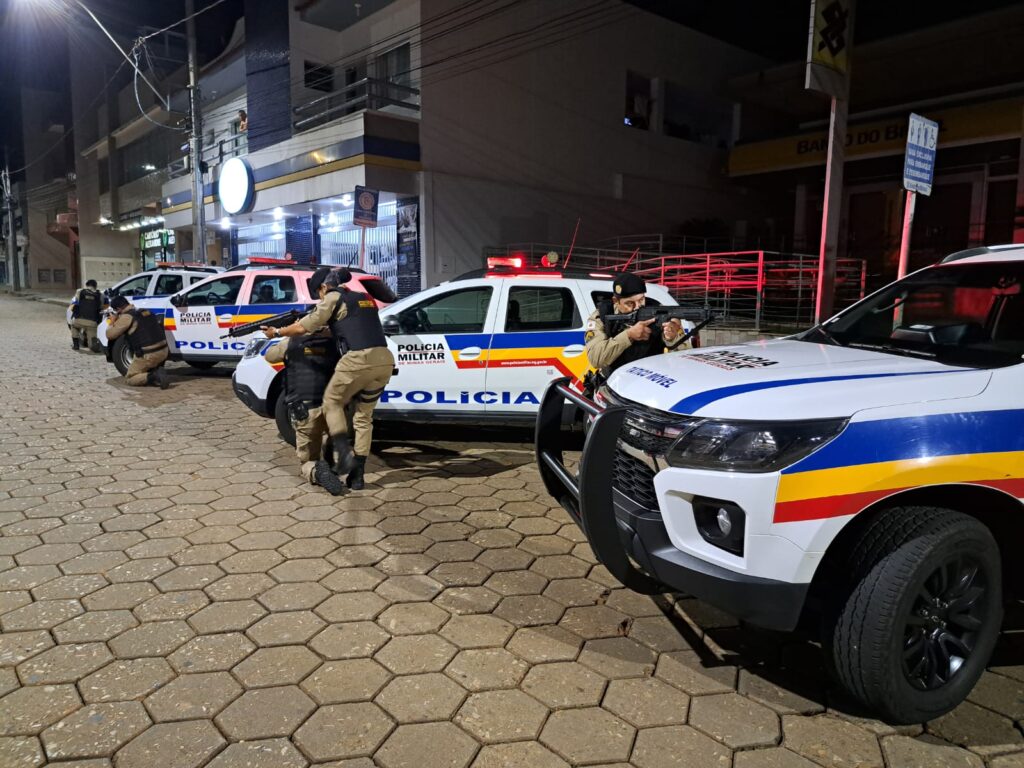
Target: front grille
[
  {"x": 635, "y": 479},
  {"x": 648, "y": 442}
]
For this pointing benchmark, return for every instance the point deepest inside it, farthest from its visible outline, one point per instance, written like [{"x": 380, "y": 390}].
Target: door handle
[
  {"x": 470, "y": 353},
  {"x": 573, "y": 350}
]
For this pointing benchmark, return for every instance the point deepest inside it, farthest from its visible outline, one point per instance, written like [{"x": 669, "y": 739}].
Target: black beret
[
  {"x": 119, "y": 302},
  {"x": 317, "y": 279},
  {"x": 338, "y": 277},
  {"x": 629, "y": 284}
]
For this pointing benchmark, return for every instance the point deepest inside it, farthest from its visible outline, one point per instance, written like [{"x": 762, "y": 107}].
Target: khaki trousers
[
  {"x": 309, "y": 440},
  {"x": 83, "y": 329},
  {"x": 138, "y": 371},
  {"x": 359, "y": 378}
]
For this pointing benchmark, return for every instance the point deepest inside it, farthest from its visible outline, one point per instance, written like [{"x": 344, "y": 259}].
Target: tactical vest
[
  {"x": 360, "y": 328},
  {"x": 638, "y": 350},
  {"x": 89, "y": 305},
  {"x": 149, "y": 331},
  {"x": 309, "y": 365}
]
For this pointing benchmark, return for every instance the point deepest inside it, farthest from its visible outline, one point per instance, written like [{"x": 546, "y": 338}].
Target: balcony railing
[
  {"x": 226, "y": 144},
  {"x": 368, "y": 93}
]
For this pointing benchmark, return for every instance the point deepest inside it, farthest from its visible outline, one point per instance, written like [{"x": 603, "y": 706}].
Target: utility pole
[
  {"x": 195, "y": 143},
  {"x": 12, "y": 237}
]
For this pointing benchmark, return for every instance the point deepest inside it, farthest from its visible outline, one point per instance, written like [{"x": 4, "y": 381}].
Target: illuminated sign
[{"x": 236, "y": 187}]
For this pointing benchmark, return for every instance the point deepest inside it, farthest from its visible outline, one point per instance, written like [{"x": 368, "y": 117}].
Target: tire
[
  {"x": 122, "y": 355},
  {"x": 202, "y": 365},
  {"x": 880, "y": 627},
  {"x": 284, "y": 424}
]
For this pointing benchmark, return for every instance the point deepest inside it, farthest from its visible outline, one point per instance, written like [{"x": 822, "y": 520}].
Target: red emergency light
[
  {"x": 266, "y": 260},
  {"x": 515, "y": 262}
]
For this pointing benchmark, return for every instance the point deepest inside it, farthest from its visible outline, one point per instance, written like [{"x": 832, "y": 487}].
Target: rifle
[
  {"x": 275, "y": 321},
  {"x": 701, "y": 316}
]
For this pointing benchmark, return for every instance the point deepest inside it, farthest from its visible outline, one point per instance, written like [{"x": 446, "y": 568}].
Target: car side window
[
  {"x": 216, "y": 293},
  {"x": 540, "y": 308},
  {"x": 167, "y": 284},
  {"x": 459, "y": 311},
  {"x": 137, "y": 286},
  {"x": 272, "y": 289}
]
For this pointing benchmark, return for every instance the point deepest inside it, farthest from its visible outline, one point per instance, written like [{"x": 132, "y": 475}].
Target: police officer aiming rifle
[
  {"x": 611, "y": 344},
  {"x": 86, "y": 311},
  {"x": 146, "y": 338},
  {"x": 361, "y": 374}
]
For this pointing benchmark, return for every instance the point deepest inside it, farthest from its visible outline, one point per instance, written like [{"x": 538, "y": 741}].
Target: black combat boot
[
  {"x": 95, "y": 346},
  {"x": 324, "y": 476},
  {"x": 355, "y": 477},
  {"x": 76, "y": 343},
  {"x": 344, "y": 458},
  {"x": 158, "y": 378}
]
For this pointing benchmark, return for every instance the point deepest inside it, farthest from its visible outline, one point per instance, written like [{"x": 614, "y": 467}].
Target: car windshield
[{"x": 958, "y": 314}]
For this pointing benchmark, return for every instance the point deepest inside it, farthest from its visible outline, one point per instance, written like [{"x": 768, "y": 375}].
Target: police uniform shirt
[
  {"x": 323, "y": 312},
  {"x": 123, "y": 324},
  {"x": 277, "y": 351},
  {"x": 603, "y": 350}
]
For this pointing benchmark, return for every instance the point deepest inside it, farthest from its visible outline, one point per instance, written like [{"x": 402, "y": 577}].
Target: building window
[
  {"x": 60, "y": 276},
  {"x": 393, "y": 69},
  {"x": 319, "y": 77},
  {"x": 638, "y": 101},
  {"x": 43, "y": 275}
]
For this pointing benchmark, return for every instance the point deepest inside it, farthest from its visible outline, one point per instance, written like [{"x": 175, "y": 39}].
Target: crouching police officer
[
  {"x": 309, "y": 362},
  {"x": 147, "y": 341},
  {"x": 86, "y": 310},
  {"x": 362, "y": 373},
  {"x": 610, "y": 345}
]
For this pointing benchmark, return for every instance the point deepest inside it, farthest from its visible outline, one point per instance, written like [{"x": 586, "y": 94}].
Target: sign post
[
  {"x": 918, "y": 172},
  {"x": 828, "y": 71},
  {"x": 365, "y": 215}
]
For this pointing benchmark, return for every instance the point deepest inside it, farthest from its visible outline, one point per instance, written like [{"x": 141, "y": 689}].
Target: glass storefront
[
  {"x": 156, "y": 245},
  {"x": 261, "y": 241}
]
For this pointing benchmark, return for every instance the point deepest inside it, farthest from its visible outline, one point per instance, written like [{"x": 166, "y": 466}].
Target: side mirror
[
  {"x": 178, "y": 300},
  {"x": 391, "y": 326}
]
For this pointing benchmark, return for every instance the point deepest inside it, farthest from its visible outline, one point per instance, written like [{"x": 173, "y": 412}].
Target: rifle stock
[{"x": 282, "y": 320}]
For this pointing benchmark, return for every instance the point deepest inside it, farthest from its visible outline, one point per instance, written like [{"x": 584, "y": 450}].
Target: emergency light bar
[
  {"x": 266, "y": 260},
  {"x": 516, "y": 262}
]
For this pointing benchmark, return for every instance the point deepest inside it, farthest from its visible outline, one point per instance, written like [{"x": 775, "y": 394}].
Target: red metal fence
[{"x": 759, "y": 289}]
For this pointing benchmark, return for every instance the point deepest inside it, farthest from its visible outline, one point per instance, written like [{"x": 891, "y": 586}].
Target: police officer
[
  {"x": 309, "y": 362},
  {"x": 362, "y": 373},
  {"x": 146, "y": 338},
  {"x": 86, "y": 310},
  {"x": 611, "y": 345}
]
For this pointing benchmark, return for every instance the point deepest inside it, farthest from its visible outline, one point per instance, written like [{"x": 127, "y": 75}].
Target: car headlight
[
  {"x": 254, "y": 347},
  {"x": 738, "y": 446}
]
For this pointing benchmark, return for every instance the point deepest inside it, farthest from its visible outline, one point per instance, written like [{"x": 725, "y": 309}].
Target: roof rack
[
  {"x": 184, "y": 265},
  {"x": 282, "y": 264}
]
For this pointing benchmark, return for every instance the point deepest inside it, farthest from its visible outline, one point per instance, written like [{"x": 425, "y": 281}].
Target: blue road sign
[
  {"x": 365, "y": 212},
  {"x": 919, "y": 164}
]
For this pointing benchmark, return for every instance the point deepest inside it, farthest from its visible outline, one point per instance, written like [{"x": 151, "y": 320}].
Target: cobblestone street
[{"x": 172, "y": 595}]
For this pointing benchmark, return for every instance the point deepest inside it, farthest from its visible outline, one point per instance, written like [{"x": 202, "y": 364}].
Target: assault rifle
[
  {"x": 275, "y": 321},
  {"x": 701, "y": 316}
]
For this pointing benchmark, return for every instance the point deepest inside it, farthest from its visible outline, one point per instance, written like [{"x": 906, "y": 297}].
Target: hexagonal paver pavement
[{"x": 183, "y": 599}]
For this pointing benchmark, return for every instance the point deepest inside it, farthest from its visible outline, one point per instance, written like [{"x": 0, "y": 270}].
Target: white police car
[
  {"x": 480, "y": 348},
  {"x": 163, "y": 280},
  {"x": 867, "y": 473},
  {"x": 198, "y": 319}
]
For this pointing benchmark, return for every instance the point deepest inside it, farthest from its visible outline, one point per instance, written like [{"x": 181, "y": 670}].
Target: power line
[{"x": 169, "y": 27}]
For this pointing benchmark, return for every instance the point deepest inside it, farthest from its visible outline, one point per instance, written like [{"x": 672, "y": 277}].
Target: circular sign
[
  {"x": 236, "y": 187},
  {"x": 366, "y": 201}
]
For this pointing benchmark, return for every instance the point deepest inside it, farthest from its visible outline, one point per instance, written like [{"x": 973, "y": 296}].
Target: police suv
[
  {"x": 480, "y": 348},
  {"x": 198, "y": 319},
  {"x": 163, "y": 280},
  {"x": 865, "y": 476}
]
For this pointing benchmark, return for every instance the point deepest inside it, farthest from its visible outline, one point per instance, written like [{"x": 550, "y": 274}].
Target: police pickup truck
[
  {"x": 480, "y": 348},
  {"x": 865, "y": 476},
  {"x": 197, "y": 319}
]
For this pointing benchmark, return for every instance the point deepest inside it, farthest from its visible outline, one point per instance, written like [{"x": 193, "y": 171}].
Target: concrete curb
[{"x": 55, "y": 300}]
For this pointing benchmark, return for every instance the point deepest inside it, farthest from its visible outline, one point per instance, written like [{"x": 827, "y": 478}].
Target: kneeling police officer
[
  {"x": 309, "y": 362},
  {"x": 610, "y": 345},
  {"x": 146, "y": 338},
  {"x": 86, "y": 312},
  {"x": 361, "y": 374}
]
